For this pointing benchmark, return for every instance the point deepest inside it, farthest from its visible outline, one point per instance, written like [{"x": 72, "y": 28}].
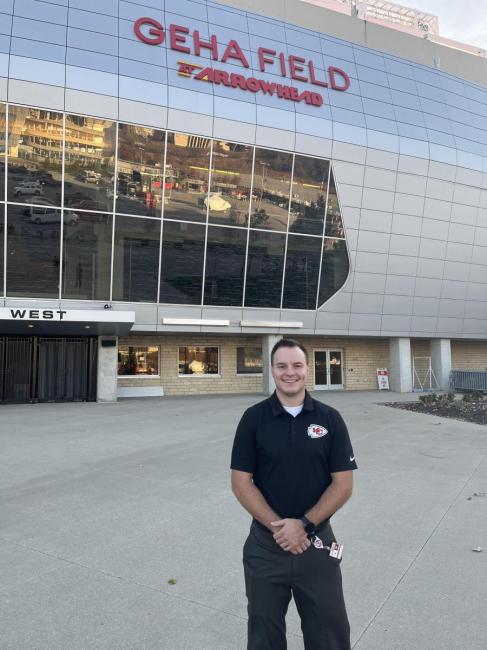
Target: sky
[{"x": 464, "y": 21}]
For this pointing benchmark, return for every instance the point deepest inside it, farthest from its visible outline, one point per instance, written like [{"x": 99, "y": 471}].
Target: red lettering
[
  {"x": 316, "y": 99},
  {"x": 238, "y": 81},
  {"x": 283, "y": 92},
  {"x": 332, "y": 71},
  {"x": 234, "y": 51},
  {"x": 220, "y": 77},
  {"x": 293, "y": 94},
  {"x": 209, "y": 45},
  {"x": 156, "y": 31},
  {"x": 282, "y": 61},
  {"x": 267, "y": 87},
  {"x": 205, "y": 75},
  {"x": 253, "y": 85},
  {"x": 295, "y": 67},
  {"x": 312, "y": 76},
  {"x": 263, "y": 59},
  {"x": 175, "y": 38}
]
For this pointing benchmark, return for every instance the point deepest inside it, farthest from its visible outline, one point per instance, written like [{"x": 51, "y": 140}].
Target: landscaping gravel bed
[{"x": 459, "y": 409}]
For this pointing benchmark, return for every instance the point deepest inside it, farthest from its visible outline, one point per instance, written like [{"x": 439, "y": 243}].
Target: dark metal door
[
  {"x": 65, "y": 369},
  {"x": 48, "y": 369},
  {"x": 18, "y": 369}
]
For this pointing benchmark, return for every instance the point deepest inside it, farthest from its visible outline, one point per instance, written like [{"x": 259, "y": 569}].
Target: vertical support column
[
  {"x": 441, "y": 362},
  {"x": 400, "y": 365},
  {"x": 107, "y": 369},
  {"x": 268, "y": 342}
]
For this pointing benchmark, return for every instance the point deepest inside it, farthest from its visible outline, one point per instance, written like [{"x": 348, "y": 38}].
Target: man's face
[{"x": 289, "y": 369}]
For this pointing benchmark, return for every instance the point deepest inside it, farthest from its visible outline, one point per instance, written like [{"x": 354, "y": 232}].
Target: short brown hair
[{"x": 288, "y": 343}]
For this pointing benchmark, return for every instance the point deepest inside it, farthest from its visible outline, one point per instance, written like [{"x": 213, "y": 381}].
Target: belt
[{"x": 319, "y": 528}]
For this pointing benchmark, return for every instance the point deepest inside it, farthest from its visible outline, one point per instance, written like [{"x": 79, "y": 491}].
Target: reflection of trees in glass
[
  {"x": 310, "y": 181},
  {"x": 271, "y": 189},
  {"x": 334, "y": 224},
  {"x": 140, "y": 169},
  {"x": 187, "y": 177},
  {"x": 231, "y": 176}
]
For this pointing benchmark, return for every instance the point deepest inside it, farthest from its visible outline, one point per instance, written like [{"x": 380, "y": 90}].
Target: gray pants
[{"x": 313, "y": 579}]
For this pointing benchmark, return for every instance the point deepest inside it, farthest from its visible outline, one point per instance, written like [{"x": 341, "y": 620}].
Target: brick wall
[
  {"x": 226, "y": 382},
  {"x": 361, "y": 358}
]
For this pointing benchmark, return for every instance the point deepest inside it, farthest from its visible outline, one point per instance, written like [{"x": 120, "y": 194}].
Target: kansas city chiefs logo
[{"x": 316, "y": 431}]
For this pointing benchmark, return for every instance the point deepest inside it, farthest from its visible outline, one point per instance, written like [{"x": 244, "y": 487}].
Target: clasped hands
[{"x": 290, "y": 535}]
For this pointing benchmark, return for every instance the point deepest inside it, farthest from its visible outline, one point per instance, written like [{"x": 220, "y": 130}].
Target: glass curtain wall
[{"x": 241, "y": 225}]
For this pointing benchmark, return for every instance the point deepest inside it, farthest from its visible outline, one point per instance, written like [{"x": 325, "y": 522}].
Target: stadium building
[{"x": 184, "y": 182}]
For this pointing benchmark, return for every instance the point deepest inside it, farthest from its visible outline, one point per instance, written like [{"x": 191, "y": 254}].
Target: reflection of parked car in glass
[
  {"x": 89, "y": 204},
  {"x": 48, "y": 214},
  {"x": 28, "y": 187},
  {"x": 88, "y": 176}
]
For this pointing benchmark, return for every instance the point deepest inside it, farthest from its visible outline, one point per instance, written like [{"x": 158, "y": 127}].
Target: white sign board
[
  {"x": 383, "y": 378},
  {"x": 66, "y": 315}
]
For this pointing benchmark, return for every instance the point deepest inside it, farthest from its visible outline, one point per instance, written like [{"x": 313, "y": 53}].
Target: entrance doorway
[
  {"x": 328, "y": 369},
  {"x": 48, "y": 369}
]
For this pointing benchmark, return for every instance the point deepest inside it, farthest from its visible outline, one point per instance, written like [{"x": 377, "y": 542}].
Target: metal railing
[{"x": 466, "y": 380}]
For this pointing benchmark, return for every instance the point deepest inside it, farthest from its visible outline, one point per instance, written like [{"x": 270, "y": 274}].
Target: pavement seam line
[
  {"x": 112, "y": 575},
  {"x": 125, "y": 580},
  {"x": 415, "y": 558}
]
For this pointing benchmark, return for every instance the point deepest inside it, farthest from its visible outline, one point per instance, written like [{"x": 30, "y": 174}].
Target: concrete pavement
[{"x": 102, "y": 504}]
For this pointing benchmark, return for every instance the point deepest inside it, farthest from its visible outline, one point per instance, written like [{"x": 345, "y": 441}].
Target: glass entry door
[{"x": 328, "y": 367}]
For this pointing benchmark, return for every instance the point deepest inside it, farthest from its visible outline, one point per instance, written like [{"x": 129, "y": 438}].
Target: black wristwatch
[{"x": 309, "y": 526}]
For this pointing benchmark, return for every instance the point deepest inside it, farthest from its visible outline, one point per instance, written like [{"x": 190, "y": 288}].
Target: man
[{"x": 292, "y": 464}]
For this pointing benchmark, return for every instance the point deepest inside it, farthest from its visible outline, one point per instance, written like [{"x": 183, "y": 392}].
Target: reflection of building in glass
[
  {"x": 89, "y": 142},
  {"x": 36, "y": 135}
]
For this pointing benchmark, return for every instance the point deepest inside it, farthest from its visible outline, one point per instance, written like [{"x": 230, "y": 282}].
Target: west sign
[{"x": 182, "y": 39}]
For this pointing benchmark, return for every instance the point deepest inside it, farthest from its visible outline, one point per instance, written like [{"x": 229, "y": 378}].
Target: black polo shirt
[{"x": 291, "y": 459}]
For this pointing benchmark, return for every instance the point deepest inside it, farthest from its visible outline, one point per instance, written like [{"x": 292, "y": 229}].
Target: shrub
[{"x": 473, "y": 396}]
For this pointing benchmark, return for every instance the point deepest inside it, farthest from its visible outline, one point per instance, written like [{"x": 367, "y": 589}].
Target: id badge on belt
[{"x": 335, "y": 550}]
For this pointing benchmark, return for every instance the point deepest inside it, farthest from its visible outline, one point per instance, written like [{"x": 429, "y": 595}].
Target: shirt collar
[{"x": 277, "y": 407}]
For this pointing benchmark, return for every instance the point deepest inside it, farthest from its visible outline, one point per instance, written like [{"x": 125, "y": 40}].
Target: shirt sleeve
[
  {"x": 244, "y": 452},
  {"x": 342, "y": 457}
]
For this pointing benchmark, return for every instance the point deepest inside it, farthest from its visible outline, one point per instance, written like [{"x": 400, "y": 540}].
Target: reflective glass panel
[
  {"x": 139, "y": 172},
  {"x": 198, "y": 361},
  {"x": 231, "y": 175},
  {"x": 136, "y": 259},
  {"x": 183, "y": 248},
  {"x": 33, "y": 249},
  {"x": 334, "y": 268},
  {"x": 89, "y": 163},
  {"x": 87, "y": 251},
  {"x": 35, "y": 150},
  {"x": 249, "y": 361},
  {"x": 272, "y": 183},
  {"x": 138, "y": 360},
  {"x": 310, "y": 181},
  {"x": 3, "y": 133},
  {"x": 334, "y": 224},
  {"x": 225, "y": 266},
  {"x": 187, "y": 174},
  {"x": 302, "y": 269},
  {"x": 264, "y": 269},
  {"x": 2, "y": 232}
]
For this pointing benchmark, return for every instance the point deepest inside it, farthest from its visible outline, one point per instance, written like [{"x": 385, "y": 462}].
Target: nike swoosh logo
[{"x": 352, "y": 458}]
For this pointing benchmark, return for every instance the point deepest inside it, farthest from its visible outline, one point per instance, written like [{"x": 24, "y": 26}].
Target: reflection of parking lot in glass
[
  {"x": 34, "y": 246},
  {"x": 88, "y": 192},
  {"x": 27, "y": 185},
  {"x": 185, "y": 205}
]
